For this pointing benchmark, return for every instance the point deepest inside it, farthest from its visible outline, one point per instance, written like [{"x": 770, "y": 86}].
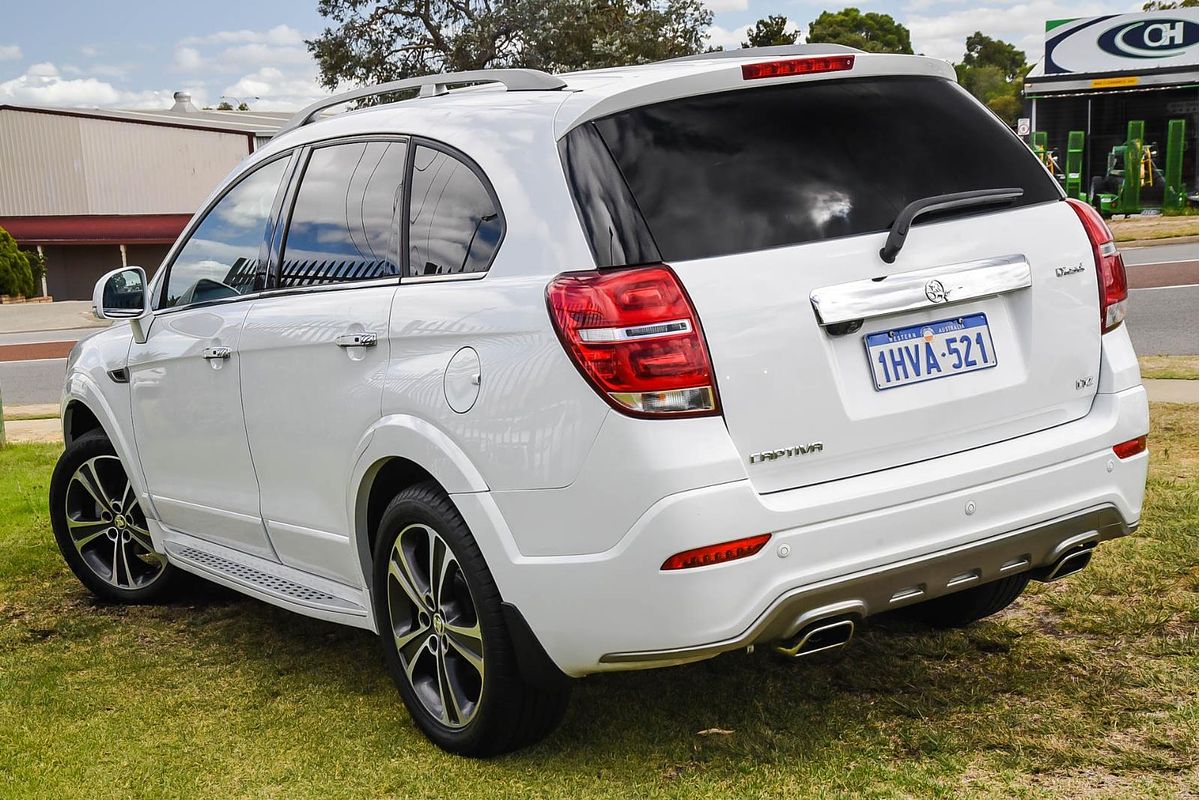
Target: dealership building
[
  {"x": 1099, "y": 73},
  {"x": 97, "y": 189}
]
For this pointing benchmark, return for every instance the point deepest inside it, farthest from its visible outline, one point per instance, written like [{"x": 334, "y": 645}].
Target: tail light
[
  {"x": 1110, "y": 266},
  {"x": 717, "y": 553},
  {"x": 1131, "y": 448},
  {"x": 634, "y": 335},
  {"x": 796, "y": 66}
]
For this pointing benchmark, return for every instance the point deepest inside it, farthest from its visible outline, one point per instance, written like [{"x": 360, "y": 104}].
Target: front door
[{"x": 185, "y": 379}]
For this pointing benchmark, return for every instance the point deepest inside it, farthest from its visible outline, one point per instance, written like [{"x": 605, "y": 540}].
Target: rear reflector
[
  {"x": 717, "y": 553},
  {"x": 796, "y": 66},
  {"x": 1110, "y": 265},
  {"x": 1131, "y": 448},
  {"x": 634, "y": 335}
]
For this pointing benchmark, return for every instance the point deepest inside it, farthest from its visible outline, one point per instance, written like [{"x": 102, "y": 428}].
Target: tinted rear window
[{"x": 767, "y": 167}]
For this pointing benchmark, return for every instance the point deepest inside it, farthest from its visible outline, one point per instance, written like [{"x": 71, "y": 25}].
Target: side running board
[{"x": 275, "y": 583}]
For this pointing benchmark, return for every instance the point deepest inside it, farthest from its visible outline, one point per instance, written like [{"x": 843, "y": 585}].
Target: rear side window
[
  {"x": 456, "y": 225},
  {"x": 346, "y": 221},
  {"x": 768, "y": 167}
]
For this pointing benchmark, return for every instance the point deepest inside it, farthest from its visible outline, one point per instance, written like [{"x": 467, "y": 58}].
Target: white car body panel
[
  {"x": 187, "y": 421},
  {"x": 575, "y": 505}
]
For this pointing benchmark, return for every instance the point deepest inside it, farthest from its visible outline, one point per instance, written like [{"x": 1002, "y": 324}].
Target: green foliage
[
  {"x": 872, "y": 32},
  {"x": 37, "y": 268},
  {"x": 984, "y": 51},
  {"x": 15, "y": 275},
  {"x": 770, "y": 32},
  {"x": 993, "y": 70},
  {"x": 372, "y": 41},
  {"x": 224, "y": 105},
  {"x": 1159, "y": 5}
]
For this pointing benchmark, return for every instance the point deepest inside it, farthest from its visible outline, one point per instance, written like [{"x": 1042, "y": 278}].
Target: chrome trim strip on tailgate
[{"x": 924, "y": 288}]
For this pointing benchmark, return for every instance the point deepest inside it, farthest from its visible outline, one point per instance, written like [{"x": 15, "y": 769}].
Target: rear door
[
  {"x": 314, "y": 352},
  {"x": 772, "y": 205}
]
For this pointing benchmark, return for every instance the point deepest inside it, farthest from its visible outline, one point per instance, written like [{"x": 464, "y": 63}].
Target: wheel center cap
[
  {"x": 119, "y": 521},
  {"x": 439, "y": 624}
]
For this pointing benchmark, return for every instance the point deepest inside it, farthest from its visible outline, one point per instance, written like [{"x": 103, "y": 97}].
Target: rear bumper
[
  {"x": 858, "y": 541},
  {"x": 911, "y": 581}
]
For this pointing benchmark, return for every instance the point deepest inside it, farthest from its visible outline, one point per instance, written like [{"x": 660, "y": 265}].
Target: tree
[
  {"x": 15, "y": 275},
  {"x": 37, "y": 269},
  {"x": 986, "y": 51},
  {"x": 1160, "y": 5},
  {"x": 875, "y": 33},
  {"x": 372, "y": 41},
  {"x": 770, "y": 32},
  {"x": 993, "y": 71},
  {"x": 224, "y": 105}
]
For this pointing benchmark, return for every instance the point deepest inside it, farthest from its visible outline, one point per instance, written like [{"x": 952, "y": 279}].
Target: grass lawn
[
  {"x": 1139, "y": 228},
  {"x": 1086, "y": 687},
  {"x": 1171, "y": 367}
]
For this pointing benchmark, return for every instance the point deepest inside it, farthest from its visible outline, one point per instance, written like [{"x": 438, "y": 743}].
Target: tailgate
[{"x": 801, "y": 400}]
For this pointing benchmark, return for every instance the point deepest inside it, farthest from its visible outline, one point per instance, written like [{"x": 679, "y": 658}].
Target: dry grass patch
[
  {"x": 1169, "y": 367},
  {"x": 1142, "y": 228}
]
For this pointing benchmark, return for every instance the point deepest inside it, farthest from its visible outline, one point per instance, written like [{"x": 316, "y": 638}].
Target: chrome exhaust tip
[
  {"x": 1069, "y": 564},
  {"x": 817, "y": 637}
]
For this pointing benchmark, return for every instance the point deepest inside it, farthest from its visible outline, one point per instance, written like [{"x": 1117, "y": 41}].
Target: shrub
[{"x": 15, "y": 275}]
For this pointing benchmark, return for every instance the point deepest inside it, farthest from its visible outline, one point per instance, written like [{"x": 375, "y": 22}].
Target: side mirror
[{"x": 121, "y": 295}]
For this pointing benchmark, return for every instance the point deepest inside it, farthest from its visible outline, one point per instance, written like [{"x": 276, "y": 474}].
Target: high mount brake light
[
  {"x": 634, "y": 335},
  {"x": 1110, "y": 265},
  {"x": 796, "y": 66},
  {"x": 717, "y": 553}
]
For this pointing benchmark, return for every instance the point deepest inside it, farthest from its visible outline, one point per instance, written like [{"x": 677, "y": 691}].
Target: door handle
[
  {"x": 217, "y": 353},
  {"x": 364, "y": 339}
]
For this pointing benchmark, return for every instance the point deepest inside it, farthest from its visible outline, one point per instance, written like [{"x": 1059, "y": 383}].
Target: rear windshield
[{"x": 768, "y": 167}]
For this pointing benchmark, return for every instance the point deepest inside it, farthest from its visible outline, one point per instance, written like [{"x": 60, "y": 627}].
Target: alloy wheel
[
  {"x": 108, "y": 527},
  {"x": 435, "y": 625}
]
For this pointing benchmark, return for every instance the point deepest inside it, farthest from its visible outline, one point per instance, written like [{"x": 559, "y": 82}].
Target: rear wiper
[{"x": 940, "y": 202}]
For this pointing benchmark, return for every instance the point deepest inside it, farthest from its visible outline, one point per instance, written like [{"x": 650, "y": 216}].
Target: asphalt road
[{"x": 1163, "y": 316}]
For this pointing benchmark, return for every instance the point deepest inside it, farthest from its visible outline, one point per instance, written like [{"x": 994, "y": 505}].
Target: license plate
[{"x": 926, "y": 352}]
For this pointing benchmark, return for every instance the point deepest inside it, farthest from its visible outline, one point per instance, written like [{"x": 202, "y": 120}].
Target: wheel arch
[{"x": 400, "y": 451}]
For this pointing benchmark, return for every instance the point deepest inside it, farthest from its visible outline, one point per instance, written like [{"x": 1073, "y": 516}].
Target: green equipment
[
  {"x": 1130, "y": 168},
  {"x": 1038, "y": 142},
  {"x": 1073, "y": 179},
  {"x": 1175, "y": 193}
]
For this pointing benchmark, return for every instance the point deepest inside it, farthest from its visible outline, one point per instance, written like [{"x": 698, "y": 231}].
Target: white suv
[{"x": 555, "y": 375}]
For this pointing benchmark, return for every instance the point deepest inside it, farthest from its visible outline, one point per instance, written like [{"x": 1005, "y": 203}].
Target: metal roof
[{"x": 257, "y": 123}]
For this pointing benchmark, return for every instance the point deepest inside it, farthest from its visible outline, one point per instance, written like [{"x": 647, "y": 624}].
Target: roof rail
[
  {"x": 813, "y": 49},
  {"x": 515, "y": 80}
]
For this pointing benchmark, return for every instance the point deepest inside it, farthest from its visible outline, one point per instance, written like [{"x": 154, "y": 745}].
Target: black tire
[
  {"x": 136, "y": 574},
  {"x": 970, "y": 605},
  {"x": 506, "y": 710}
]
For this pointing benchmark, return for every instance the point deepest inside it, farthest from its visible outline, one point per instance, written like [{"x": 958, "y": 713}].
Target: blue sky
[{"x": 136, "y": 53}]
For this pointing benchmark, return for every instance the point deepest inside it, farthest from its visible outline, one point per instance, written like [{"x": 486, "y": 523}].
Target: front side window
[
  {"x": 455, "y": 225},
  {"x": 221, "y": 257},
  {"x": 345, "y": 225}
]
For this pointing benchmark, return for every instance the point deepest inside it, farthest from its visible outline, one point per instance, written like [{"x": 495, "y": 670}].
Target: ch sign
[{"x": 1124, "y": 42}]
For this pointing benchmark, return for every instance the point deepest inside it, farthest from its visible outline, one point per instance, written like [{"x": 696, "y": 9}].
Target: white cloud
[
  {"x": 280, "y": 35},
  {"x": 277, "y": 90},
  {"x": 188, "y": 58},
  {"x": 43, "y": 84},
  {"x": 9, "y": 52},
  {"x": 943, "y": 34},
  {"x": 727, "y": 38},
  {"x": 719, "y": 6}
]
